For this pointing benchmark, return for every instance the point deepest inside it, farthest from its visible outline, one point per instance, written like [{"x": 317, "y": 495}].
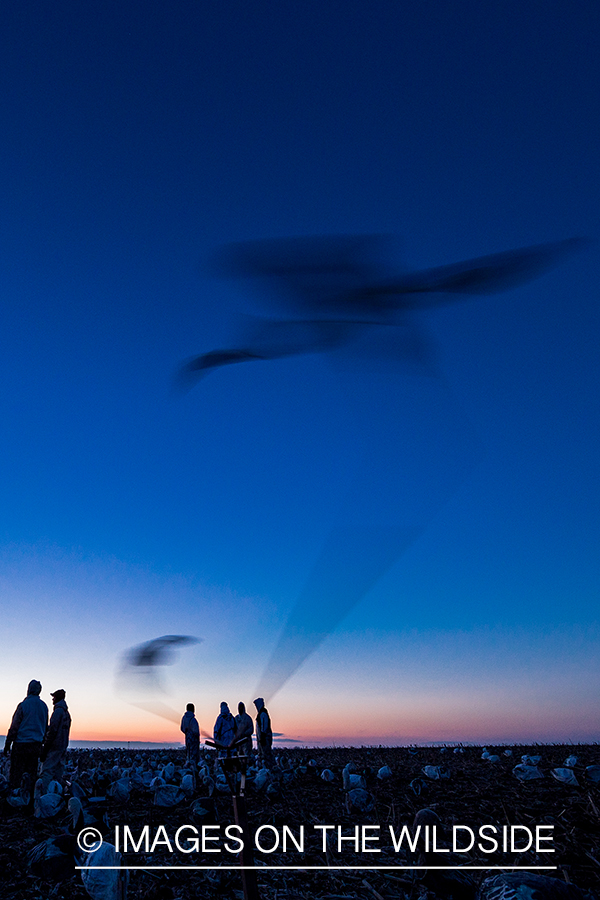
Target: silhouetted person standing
[
  {"x": 224, "y": 731},
  {"x": 191, "y": 729},
  {"x": 56, "y": 741},
  {"x": 25, "y": 736},
  {"x": 264, "y": 733},
  {"x": 245, "y": 729}
]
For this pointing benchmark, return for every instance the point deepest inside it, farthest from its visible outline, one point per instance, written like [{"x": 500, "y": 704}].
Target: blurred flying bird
[
  {"x": 337, "y": 290},
  {"x": 138, "y": 677},
  {"x": 334, "y": 290},
  {"x": 158, "y": 652}
]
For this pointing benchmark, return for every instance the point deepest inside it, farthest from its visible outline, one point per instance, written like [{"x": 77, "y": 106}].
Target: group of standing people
[
  {"x": 229, "y": 730},
  {"x": 31, "y": 739}
]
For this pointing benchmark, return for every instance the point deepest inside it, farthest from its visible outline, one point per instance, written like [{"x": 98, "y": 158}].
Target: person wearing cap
[
  {"x": 54, "y": 748},
  {"x": 25, "y": 736},
  {"x": 264, "y": 734}
]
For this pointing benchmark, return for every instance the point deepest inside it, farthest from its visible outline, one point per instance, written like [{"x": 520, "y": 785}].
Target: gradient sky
[{"x": 140, "y": 137}]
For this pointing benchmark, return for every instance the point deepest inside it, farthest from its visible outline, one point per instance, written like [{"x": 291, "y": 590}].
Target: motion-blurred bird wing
[
  {"x": 158, "y": 652},
  {"x": 482, "y": 275},
  {"x": 320, "y": 274},
  {"x": 272, "y": 339}
]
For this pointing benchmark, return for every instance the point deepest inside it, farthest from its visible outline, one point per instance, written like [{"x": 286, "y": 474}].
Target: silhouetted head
[
  {"x": 58, "y": 695},
  {"x": 34, "y": 687},
  {"x": 224, "y": 707},
  {"x": 259, "y": 703},
  {"x": 190, "y": 707},
  {"x": 241, "y": 708}
]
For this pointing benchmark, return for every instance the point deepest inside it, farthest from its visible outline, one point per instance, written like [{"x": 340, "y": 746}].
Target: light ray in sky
[{"x": 414, "y": 464}]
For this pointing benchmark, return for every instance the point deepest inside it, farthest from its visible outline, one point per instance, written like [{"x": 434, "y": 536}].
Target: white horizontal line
[{"x": 323, "y": 868}]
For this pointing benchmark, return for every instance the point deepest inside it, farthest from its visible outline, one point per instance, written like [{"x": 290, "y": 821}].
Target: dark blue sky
[{"x": 137, "y": 139}]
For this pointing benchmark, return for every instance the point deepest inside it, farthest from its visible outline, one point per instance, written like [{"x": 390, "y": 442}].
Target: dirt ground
[{"x": 472, "y": 792}]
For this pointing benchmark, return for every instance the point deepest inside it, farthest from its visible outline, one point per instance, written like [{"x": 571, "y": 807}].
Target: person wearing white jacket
[
  {"x": 56, "y": 741},
  {"x": 264, "y": 734},
  {"x": 25, "y": 736},
  {"x": 191, "y": 729},
  {"x": 244, "y": 729}
]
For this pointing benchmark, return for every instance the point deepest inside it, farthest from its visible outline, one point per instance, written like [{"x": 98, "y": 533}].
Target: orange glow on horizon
[
  {"x": 503, "y": 726},
  {"x": 133, "y": 735}
]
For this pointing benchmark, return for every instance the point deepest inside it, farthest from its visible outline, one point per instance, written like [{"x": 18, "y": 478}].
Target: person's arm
[
  {"x": 233, "y": 736},
  {"x": 260, "y": 727},
  {"x": 14, "y": 728},
  {"x": 53, "y": 727}
]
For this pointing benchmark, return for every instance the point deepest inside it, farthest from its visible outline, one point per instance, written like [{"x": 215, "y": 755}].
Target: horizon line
[{"x": 115, "y": 743}]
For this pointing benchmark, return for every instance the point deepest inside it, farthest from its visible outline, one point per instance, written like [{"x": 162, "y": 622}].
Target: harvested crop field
[{"x": 296, "y": 801}]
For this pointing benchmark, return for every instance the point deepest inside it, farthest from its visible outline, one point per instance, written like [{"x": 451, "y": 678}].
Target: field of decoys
[{"x": 157, "y": 790}]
